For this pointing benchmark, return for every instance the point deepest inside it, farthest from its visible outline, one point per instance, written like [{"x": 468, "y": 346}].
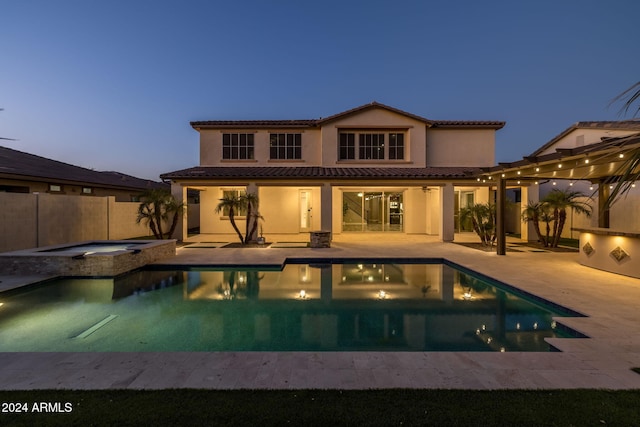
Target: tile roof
[
  {"x": 316, "y": 172},
  {"x": 20, "y": 165},
  {"x": 231, "y": 124},
  {"x": 254, "y": 123}
]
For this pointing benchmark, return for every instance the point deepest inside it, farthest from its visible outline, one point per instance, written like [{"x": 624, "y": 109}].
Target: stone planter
[{"x": 320, "y": 239}]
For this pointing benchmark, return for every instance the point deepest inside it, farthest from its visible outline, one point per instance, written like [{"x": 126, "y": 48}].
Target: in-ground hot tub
[{"x": 96, "y": 258}]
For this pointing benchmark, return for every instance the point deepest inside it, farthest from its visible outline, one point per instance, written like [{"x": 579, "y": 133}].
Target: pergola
[{"x": 601, "y": 163}]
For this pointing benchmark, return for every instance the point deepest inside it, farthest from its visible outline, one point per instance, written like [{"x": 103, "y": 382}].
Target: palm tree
[
  {"x": 630, "y": 97},
  {"x": 532, "y": 213},
  {"x": 483, "y": 221},
  {"x": 250, "y": 203},
  {"x": 558, "y": 201},
  {"x": 156, "y": 207},
  {"x": 231, "y": 203},
  {"x": 629, "y": 170}
]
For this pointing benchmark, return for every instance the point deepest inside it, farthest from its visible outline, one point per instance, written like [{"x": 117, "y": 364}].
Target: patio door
[
  {"x": 372, "y": 211},
  {"x": 306, "y": 210}
]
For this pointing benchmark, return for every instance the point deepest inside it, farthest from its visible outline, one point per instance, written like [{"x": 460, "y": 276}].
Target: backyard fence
[{"x": 36, "y": 220}]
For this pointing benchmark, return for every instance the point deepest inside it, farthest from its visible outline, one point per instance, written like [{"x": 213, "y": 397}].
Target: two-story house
[{"x": 371, "y": 169}]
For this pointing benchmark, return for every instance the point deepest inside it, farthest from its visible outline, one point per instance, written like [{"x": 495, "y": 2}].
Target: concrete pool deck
[{"x": 603, "y": 361}]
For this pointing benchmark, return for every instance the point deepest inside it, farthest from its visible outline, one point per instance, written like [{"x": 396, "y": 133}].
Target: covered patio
[{"x": 600, "y": 164}]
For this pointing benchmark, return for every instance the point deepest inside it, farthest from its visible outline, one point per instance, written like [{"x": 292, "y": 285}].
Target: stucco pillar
[
  {"x": 252, "y": 188},
  {"x": 530, "y": 194},
  {"x": 326, "y": 208},
  {"x": 180, "y": 194},
  {"x": 501, "y": 196},
  {"x": 447, "y": 224}
]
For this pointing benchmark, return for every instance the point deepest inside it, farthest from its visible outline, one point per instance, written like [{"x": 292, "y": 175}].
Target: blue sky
[{"x": 113, "y": 85}]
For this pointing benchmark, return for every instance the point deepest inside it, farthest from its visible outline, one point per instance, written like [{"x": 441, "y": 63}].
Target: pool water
[{"x": 355, "y": 306}]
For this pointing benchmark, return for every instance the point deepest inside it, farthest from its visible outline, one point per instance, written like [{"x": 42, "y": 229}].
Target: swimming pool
[{"x": 353, "y": 305}]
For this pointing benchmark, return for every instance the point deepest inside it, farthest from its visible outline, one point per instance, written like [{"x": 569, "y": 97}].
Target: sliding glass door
[{"x": 372, "y": 211}]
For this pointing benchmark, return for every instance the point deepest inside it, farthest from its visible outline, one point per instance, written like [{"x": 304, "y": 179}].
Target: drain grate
[{"x": 97, "y": 326}]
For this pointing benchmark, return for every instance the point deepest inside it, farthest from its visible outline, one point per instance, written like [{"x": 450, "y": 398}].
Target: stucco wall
[
  {"x": 457, "y": 147},
  {"x": 415, "y": 210},
  {"x": 602, "y": 258},
  {"x": 581, "y": 137},
  {"x": 36, "y": 220},
  {"x": 211, "y": 147},
  {"x": 376, "y": 119}
]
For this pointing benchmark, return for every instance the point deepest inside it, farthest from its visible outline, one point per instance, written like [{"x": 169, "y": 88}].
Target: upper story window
[
  {"x": 285, "y": 146},
  {"x": 87, "y": 190},
  {"x": 371, "y": 146},
  {"x": 237, "y": 146},
  {"x": 347, "y": 146},
  {"x": 396, "y": 146}
]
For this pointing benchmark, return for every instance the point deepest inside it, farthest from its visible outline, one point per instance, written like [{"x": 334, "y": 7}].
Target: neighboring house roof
[
  {"x": 604, "y": 125},
  {"x": 16, "y": 164},
  {"x": 217, "y": 124},
  {"x": 315, "y": 172},
  {"x": 603, "y": 160}
]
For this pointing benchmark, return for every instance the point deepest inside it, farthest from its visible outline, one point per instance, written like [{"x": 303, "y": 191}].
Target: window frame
[
  {"x": 56, "y": 188},
  {"x": 372, "y": 145},
  {"x": 347, "y": 146},
  {"x": 238, "y": 146},
  {"x": 396, "y": 145},
  {"x": 239, "y": 191},
  {"x": 288, "y": 146}
]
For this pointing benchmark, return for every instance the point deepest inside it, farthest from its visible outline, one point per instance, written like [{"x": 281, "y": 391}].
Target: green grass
[{"x": 330, "y": 407}]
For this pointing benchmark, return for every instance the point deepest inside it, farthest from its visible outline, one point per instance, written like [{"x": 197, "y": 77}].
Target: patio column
[
  {"x": 447, "y": 224},
  {"x": 180, "y": 194},
  {"x": 326, "y": 208},
  {"x": 603, "y": 214},
  {"x": 530, "y": 194},
  {"x": 501, "y": 196}
]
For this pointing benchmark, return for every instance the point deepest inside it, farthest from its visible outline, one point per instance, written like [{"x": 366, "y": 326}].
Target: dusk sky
[{"x": 113, "y": 85}]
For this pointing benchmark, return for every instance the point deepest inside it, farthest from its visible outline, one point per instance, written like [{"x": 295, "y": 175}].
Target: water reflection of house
[{"x": 343, "y": 306}]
